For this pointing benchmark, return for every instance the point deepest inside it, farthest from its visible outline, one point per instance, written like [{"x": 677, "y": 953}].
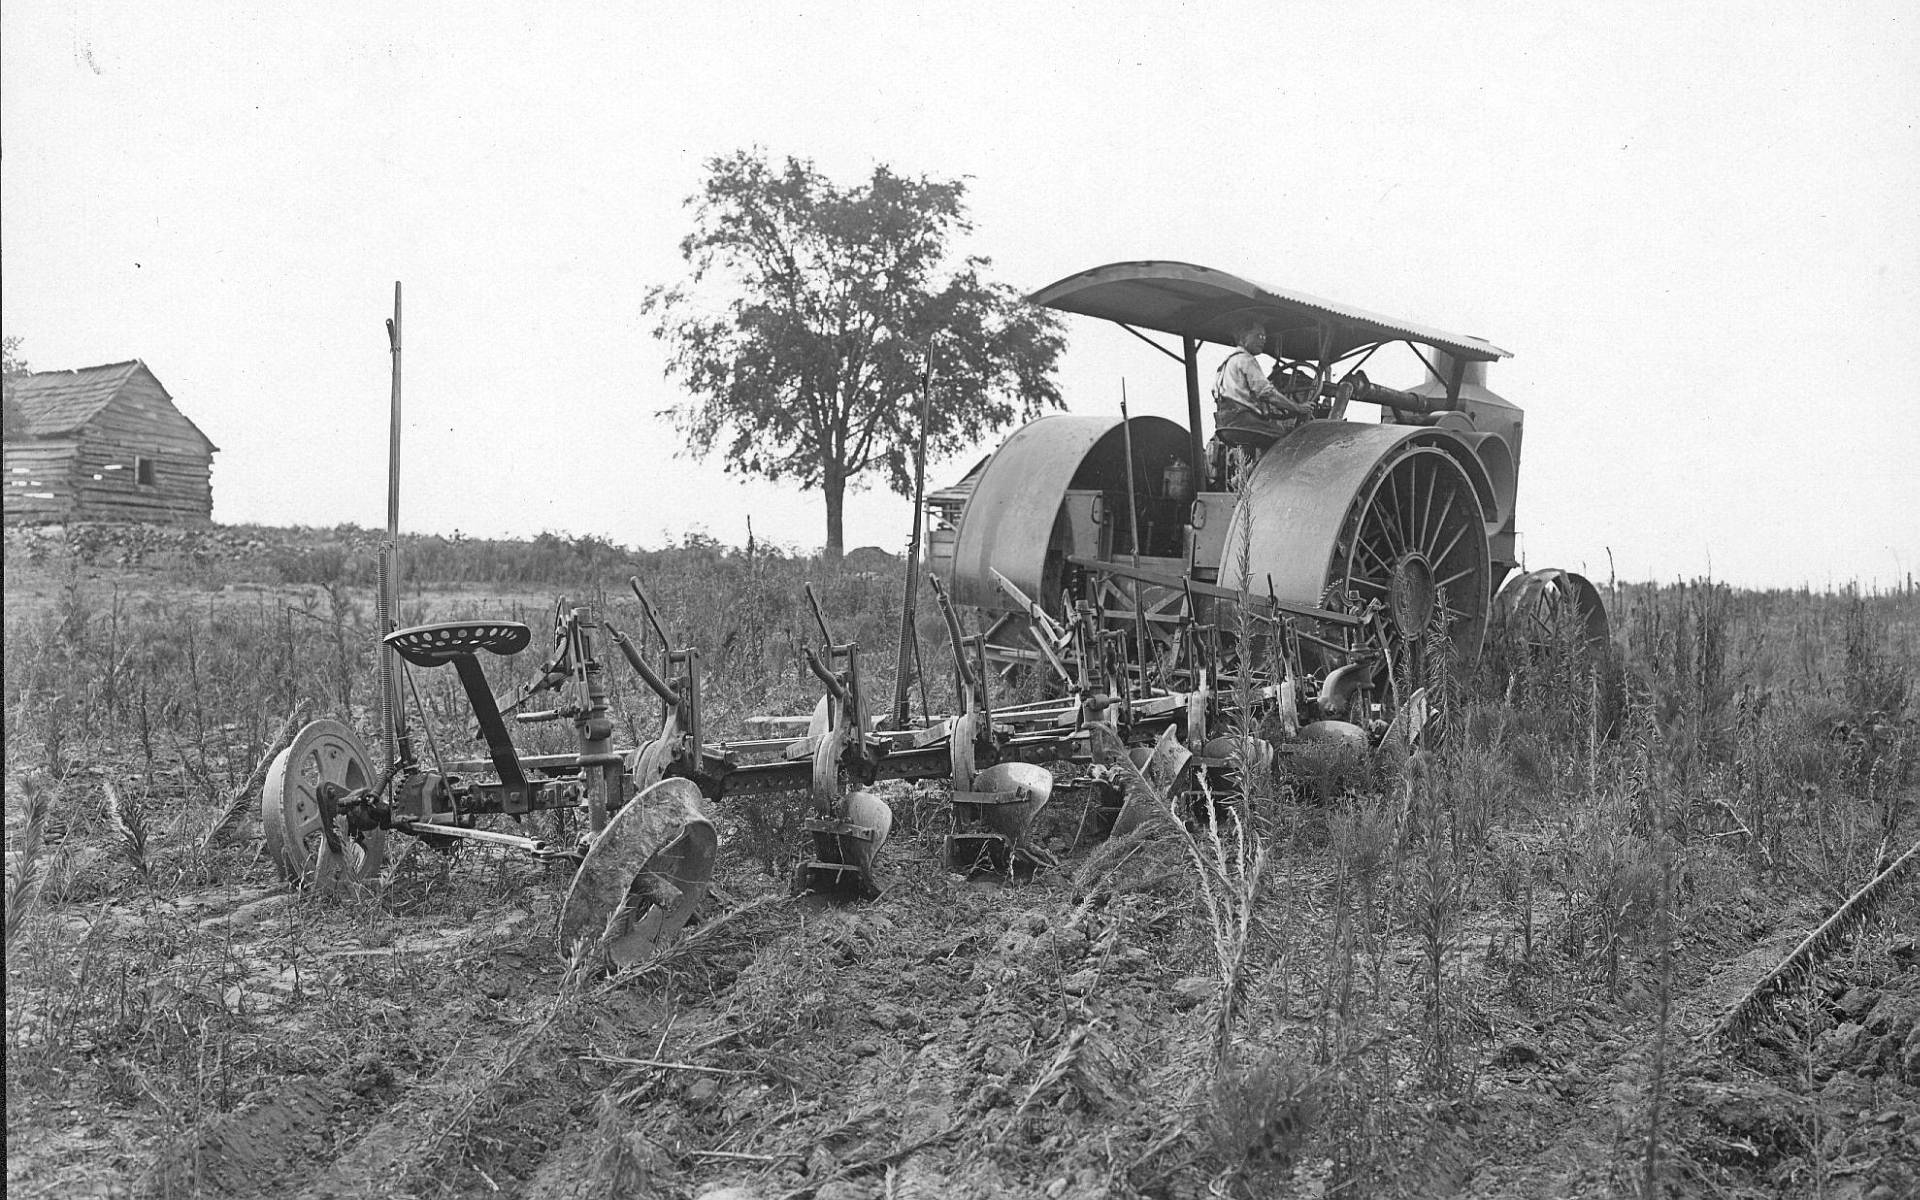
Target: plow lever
[
  {"x": 646, "y": 606},
  {"x": 661, "y": 688},
  {"x": 832, "y": 681},
  {"x": 820, "y": 617},
  {"x": 970, "y": 685}
]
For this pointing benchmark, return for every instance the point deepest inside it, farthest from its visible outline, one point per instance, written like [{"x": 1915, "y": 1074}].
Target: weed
[
  {"x": 1434, "y": 916},
  {"x": 1258, "y": 1116},
  {"x": 24, "y": 868},
  {"x": 131, "y": 825},
  {"x": 1875, "y": 681}
]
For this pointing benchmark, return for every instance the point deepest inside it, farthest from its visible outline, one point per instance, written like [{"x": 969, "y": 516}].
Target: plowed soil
[{"x": 954, "y": 1038}]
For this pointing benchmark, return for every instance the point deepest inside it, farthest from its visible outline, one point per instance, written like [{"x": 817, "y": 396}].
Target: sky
[{"x": 1693, "y": 225}]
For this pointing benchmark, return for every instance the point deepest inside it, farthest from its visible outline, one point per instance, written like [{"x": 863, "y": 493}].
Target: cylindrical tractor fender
[
  {"x": 1017, "y": 520},
  {"x": 1393, "y": 513}
]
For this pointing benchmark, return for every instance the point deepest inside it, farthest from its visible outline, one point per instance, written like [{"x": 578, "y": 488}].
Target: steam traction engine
[{"x": 1130, "y": 553}]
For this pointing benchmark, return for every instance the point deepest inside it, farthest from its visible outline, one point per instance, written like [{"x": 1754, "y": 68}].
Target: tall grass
[
  {"x": 208, "y": 671},
  {"x": 1593, "y": 822},
  {"x": 1579, "y": 832}
]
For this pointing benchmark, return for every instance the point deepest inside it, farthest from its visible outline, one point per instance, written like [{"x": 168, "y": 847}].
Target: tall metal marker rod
[
  {"x": 1133, "y": 505},
  {"x": 392, "y": 715},
  {"x": 1133, "y": 530},
  {"x": 903, "y": 664}
]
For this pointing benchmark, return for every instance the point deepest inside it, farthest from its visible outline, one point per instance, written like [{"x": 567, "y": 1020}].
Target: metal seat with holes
[{"x": 434, "y": 645}]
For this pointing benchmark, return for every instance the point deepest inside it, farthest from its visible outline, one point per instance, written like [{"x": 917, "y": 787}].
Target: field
[{"x": 1507, "y": 967}]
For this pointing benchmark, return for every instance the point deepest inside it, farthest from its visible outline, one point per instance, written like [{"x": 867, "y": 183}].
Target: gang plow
[{"x": 1199, "y": 612}]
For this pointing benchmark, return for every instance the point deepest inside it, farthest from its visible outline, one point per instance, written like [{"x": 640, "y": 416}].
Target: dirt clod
[{"x": 1194, "y": 991}]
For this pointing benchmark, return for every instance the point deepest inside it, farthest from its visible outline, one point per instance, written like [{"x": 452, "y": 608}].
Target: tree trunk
[{"x": 834, "y": 488}]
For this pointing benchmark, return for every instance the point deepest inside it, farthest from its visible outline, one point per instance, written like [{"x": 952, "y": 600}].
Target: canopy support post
[{"x": 1190, "y": 357}]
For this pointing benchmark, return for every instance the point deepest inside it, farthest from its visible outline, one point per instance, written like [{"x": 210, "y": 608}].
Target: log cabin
[{"x": 103, "y": 444}]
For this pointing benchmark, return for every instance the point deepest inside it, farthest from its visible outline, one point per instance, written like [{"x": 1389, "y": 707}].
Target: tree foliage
[
  {"x": 13, "y": 421},
  {"x": 802, "y": 327}
]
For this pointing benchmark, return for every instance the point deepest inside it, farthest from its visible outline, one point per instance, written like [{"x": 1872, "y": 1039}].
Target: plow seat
[
  {"x": 433, "y": 645},
  {"x": 456, "y": 642}
]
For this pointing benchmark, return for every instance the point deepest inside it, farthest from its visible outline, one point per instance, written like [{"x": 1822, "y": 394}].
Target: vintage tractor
[{"x": 1341, "y": 559}]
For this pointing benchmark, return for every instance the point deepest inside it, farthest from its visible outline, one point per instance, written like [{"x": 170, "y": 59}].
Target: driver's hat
[{"x": 1242, "y": 323}]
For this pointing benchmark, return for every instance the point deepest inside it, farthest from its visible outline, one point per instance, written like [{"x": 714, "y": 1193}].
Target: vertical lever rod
[
  {"x": 392, "y": 715},
  {"x": 909, "y": 644}
]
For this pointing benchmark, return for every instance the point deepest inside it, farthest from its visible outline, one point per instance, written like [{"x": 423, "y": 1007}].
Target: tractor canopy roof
[{"x": 1206, "y": 305}]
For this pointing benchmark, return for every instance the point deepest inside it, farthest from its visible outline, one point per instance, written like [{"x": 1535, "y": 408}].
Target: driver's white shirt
[{"x": 1241, "y": 382}]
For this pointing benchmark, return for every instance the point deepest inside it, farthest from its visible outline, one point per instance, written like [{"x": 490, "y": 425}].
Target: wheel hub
[{"x": 1411, "y": 594}]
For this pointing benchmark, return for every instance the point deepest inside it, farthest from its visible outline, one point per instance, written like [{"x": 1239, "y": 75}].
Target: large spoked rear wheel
[
  {"x": 323, "y": 754},
  {"x": 1415, "y": 540},
  {"x": 643, "y": 878}
]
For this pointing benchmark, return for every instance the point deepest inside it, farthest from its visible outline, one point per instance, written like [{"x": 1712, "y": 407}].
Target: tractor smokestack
[{"x": 1442, "y": 367}]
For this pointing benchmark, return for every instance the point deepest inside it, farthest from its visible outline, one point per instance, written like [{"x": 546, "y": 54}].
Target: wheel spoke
[
  {"x": 303, "y": 821},
  {"x": 335, "y": 767},
  {"x": 1461, "y": 573},
  {"x": 1366, "y": 548},
  {"x": 1400, "y": 509},
  {"x": 1440, "y": 526},
  {"x": 1440, "y": 558},
  {"x": 1426, "y": 506},
  {"x": 1380, "y": 522},
  {"x": 1539, "y": 622}
]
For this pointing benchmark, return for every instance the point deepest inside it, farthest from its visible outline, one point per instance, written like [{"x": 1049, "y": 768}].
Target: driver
[{"x": 1247, "y": 408}]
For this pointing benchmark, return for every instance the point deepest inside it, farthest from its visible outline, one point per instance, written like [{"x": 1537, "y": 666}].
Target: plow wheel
[
  {"x": 1416, "y": 543},
  {"x": 1539, "y": 608},
  {"x": 643, "y": 878},
  {"x": 326, "y": 761}
]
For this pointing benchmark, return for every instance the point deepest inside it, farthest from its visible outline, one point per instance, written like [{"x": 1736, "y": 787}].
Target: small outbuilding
[{"x": 103, "y": 444}]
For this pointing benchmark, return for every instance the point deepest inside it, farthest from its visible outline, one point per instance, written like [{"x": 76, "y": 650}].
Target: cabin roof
[{"x": 57, "y": 402}]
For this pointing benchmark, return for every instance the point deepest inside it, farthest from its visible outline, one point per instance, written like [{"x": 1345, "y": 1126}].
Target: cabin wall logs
[{"x": 138, "y": 459}]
